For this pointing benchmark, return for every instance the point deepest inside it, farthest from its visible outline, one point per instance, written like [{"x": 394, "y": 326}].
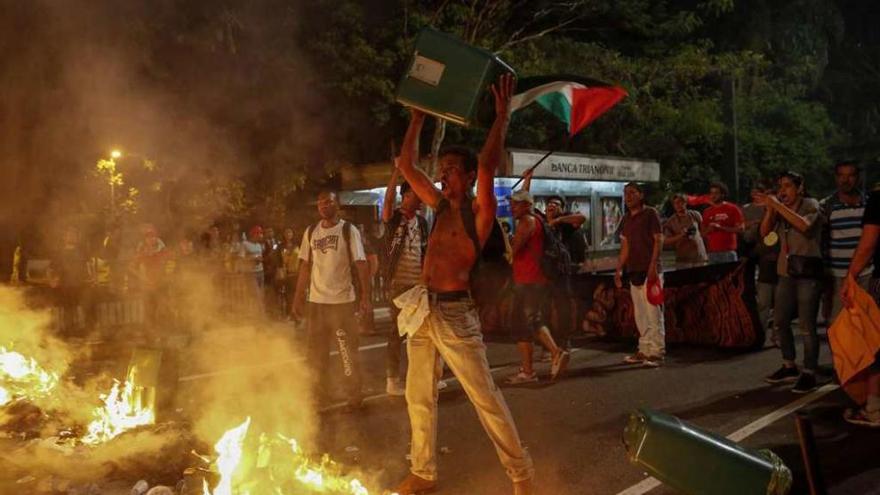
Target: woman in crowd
[{"x": 794, "y": 221}]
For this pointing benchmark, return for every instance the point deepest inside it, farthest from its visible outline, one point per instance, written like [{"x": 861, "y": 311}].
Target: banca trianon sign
[{"x": 584, "y": 167}]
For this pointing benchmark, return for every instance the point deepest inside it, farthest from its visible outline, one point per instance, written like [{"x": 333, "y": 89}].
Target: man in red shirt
[
  {"x": 530, "y": 287},
  {"x": 721, "y": 223}
]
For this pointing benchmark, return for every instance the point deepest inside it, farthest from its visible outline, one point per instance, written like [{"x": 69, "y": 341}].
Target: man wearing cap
[
  {"x": 641, "y": 241},
  {"x": 530, "y": 287},
  {"x": 251, "y": 253}
]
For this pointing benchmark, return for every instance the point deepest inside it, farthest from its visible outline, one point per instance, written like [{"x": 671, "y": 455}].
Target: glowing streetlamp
[{"x": 115, "y": 154}]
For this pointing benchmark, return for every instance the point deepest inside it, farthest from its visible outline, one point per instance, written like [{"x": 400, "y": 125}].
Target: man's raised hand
[{"x": 503, "y": 91}]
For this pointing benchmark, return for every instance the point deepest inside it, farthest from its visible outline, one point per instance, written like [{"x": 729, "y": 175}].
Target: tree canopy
[{"x": 259, "y": 100}]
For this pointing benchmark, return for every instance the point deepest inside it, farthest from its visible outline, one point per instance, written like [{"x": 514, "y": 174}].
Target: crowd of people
[{"x": 803, "y": 254}]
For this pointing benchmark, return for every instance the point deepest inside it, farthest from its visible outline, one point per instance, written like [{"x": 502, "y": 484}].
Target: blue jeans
[
  {"x": 765, "y": 295},
  {"x": 798, "y": 296}
]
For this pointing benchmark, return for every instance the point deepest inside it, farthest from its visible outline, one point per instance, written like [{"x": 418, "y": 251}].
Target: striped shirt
[
  {"x": 844, "y": 232},
  {"x": 409, "y": 265}
]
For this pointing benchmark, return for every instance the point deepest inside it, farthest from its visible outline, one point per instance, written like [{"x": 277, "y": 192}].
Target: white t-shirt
[
  {"x": 252, "y": 252},
  {"x": 331, "y": 280}
]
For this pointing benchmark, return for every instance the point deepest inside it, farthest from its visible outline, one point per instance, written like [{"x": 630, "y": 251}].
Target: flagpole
[
  {"x": 565, "y": 144},
  {"x": 533, "y": 167}
]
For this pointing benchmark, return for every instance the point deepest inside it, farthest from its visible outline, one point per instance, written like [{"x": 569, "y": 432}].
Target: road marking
[
  {"x": 237, "y": 369},
  {"x": 746, "y": 431}
]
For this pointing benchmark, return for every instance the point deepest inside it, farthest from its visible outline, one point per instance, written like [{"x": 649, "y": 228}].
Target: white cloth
[
  {"x": 331, "y": 280},
  {"x": 414, "y": 308}
]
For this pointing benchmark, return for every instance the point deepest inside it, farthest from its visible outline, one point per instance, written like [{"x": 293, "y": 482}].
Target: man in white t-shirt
[{"x": 327, "y": 253}]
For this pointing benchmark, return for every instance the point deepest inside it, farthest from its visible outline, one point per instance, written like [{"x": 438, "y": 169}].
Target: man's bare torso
[{"x": 451, "y": 253}]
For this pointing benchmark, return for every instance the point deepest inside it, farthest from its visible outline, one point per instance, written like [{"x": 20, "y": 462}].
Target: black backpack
[
  {"x": 555, "y": 258},
  {"x": 491, "y": 270},
  {"x": 577, "y": 245}
]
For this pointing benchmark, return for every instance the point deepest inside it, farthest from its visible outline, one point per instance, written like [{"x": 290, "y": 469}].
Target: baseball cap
[{"x": 523, "y": 196}]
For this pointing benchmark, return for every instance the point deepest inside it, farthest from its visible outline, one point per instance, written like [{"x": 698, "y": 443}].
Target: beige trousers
[{"x": 452, "y": 331}]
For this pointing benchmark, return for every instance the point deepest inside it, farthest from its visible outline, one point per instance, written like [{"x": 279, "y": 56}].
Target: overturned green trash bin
[{"x": 699, "y": 462}]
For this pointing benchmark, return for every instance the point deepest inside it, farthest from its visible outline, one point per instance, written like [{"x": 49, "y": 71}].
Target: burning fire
[
  {"x": 279, "y": 466},
  {"x": 124, "y": 408},
  {"x": 22, "y": 377}
]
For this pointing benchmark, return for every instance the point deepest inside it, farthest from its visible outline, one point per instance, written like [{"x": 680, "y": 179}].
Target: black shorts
[{"x": 530, "y": 310}]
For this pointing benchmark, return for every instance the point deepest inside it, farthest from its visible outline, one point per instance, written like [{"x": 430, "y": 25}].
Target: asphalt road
[{"x": 573, "y": 427}]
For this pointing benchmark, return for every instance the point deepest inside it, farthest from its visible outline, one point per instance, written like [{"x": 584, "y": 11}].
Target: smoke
[
  {"x": 210, "y": 94},
  {"x": 245, "y": 368}
]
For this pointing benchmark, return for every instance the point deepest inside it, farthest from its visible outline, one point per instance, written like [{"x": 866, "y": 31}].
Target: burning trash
[
  {"x": 126, "y": 406},
  {"x": 274, "y": 464},
  {"x": 23, "y": 378}
]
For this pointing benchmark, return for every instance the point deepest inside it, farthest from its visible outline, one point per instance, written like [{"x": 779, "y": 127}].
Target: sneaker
[
  {"x": 521, "y": 378},
  {"x": 783, "y": 374},
  {"x": 637, "y": 358},
  {"x": 559, "y": 364},
  {"x": 862, "y": 417},
  {"x": 394, "y": 387},
  {"x": 652, "y": 361},
  {"x": 805, "y": 383}
]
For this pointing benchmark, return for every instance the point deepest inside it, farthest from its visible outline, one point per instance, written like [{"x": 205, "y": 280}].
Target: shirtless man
[{"x": 451, "y": 330}]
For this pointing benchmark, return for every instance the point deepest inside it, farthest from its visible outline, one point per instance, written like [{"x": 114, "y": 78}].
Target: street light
[{"x": 115, "y": 154}]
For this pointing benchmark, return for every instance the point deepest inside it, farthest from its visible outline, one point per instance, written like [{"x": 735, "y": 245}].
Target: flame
[
  {"x": 280, "y": 465},
  {"x": 22, "y": 377},
  {"x": 124, "y": 408},
  {"x": 229, "y": 454}
]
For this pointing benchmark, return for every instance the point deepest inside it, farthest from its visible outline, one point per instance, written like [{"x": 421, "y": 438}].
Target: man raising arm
[{"x": 451, "y": 328}]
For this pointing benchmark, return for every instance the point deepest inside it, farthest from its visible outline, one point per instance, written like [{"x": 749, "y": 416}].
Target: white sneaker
[
  {"x": 394, "y": 387},
  {"x": 522, "y": 378},
  {"x": 862, "y": 417}
]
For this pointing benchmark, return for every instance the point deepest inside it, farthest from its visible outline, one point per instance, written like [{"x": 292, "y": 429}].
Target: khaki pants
[
  {"x": 452, "y": 331},
  {"x": 649, "y": 321}
]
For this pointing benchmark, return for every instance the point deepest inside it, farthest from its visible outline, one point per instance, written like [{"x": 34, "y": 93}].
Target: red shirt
[
  {"x": 527, "y": 261},
  {"x": 727, "y": 215}
]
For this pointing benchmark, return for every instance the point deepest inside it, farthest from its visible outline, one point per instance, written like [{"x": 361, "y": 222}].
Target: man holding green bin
[{"x": 443, "y": 321}]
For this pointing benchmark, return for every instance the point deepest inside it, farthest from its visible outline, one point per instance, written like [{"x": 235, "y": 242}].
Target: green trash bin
[
  {"x": 450, "y": 79},
  {"x": 699, "y": 462}
]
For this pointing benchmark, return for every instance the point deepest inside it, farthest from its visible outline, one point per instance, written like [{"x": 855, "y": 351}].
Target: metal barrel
[{"x": 697, "y": 461}]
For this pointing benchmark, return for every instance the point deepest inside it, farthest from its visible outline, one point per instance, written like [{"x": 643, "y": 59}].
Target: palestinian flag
[{"x": 577, "y": 101}]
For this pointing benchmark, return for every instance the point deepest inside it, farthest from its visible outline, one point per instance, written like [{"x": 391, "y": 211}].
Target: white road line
[
  {"x": 741, "y": 434},
  {"x": 238, "y": 369}
]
